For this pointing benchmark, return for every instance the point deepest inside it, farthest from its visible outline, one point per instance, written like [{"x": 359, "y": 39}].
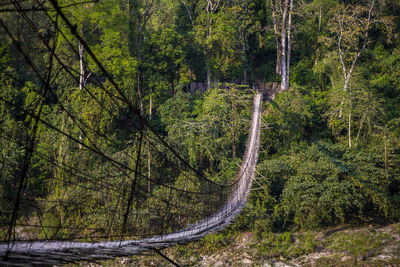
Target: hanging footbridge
[
  {"x": 71, "y": 191},
  {"x": 56, "y": 252}
]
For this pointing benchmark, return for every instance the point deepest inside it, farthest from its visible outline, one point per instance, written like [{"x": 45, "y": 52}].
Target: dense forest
[{"x": 330, "y": 141}]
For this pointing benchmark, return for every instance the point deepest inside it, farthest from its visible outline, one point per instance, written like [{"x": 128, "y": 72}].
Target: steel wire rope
[
  {"x": 67, "y": 182},
  {"x": 69, "y": 115},
  {"x": 51, "y": 160},
  {"x": 8, "y": 3},
  {"x": 70, "y": 69},
  {"x": 196, "y": 227},
  {"x": 143, "y": 176},
  {"x": 32, "y": 66},
  {"x": 84, "y": 86},
  {"x": 70, "y": 183},
  {"x": 66, "y": 202},
  {"x": 230, "y": 185},
  {"x": 30, "y": 140},
  {"x": 104, "y": 228},
  {"x": 42, "y": 8},
  {"x": 149, "y": 210},
  {"x": 38, "y": 74},
  {"x": 84, "y": 228},
  {"x": 79, "y": 185},
  {"x": 124, "y": 98},
  {"x": 75, "y": 183},
  {"x": 129, "y": 234},
  {"x": 58, "y": 227},
  {"x": 88, "y": 91}
]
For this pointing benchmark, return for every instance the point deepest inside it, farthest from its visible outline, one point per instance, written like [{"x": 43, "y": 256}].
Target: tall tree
[
  {"x": 350, "y": 27},
  {"x": 211, "y": 8},
  {"x": 139, "y": 14},
  {"x": 282, "y": 20}
]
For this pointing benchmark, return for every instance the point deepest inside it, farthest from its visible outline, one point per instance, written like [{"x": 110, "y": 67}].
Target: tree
[
  {"x": 282, "y": 9},
  {"x": 205, "y": 22},
  {"x": 210, "y": 130},
  {"x": 139, "y": 14},
  {"x": 350, "y": 28}
]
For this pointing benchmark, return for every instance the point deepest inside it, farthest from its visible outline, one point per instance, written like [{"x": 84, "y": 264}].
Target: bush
[{"x": 325, "y": 184}]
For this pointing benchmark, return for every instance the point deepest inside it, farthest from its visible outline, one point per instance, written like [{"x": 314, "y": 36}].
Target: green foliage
[
  {"x": 287, "y": 245},
  {"x": 359, "y": 243},
  {"x": 385, "y": 78},
  {"x": 213, "y": 242},
  {"x": 115, "y": 58},
  {"x": 211, "y": 128},
  {"x": 326, "y": 184},
  {"x": 288, "y": 119}
]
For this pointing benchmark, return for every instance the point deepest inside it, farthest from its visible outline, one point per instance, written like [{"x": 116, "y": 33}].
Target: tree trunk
[
  {"x": 349, "y": 127},
  {"x": 233, "y": 127},
  {"x": 284, "y": 83},
  {"x": 148, "y": 170},
  {"x": 283, "y": 39},
  {"x": 82, "y": 69},
  {"x": 244, "y": 62},
  {"x": 208, "y": 57},
  {"x": 139, "y": 57},
  {"x": 208, "y": 77},
  {"x": 188, "y": 11},
  {"x": 289, "y": 47},
  {"x": 345, "y": 86},
  {"x": 148, "y": 150},
  {"x": 134, "y": 42},
  {"x": 278, "y": 42},
  {"x": 211, "y": 8},
  {"x": 319, "y": 19},
  {"x": 359, "y": 129},
  {"x": 141, "y": 107},
  {"x": 385, "y": 144},
  {"x": 133, "y": 27},
  {"x": 348, "y": 72},
  {"x": 81, "y": 76}
]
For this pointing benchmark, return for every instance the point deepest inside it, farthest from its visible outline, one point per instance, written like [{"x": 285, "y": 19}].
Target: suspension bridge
[
  {"x": 115, "y": 196},
  {"x": 55, "y": 252}
]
